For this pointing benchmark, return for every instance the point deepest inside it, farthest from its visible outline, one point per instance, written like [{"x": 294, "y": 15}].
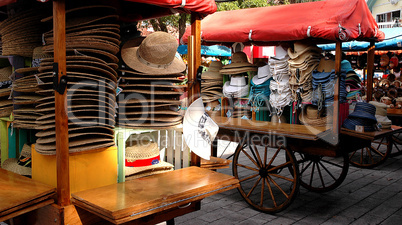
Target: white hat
[
  {"x": 199, "y": 129},
  {"x": 280, "y": 52},
  {"x": 263, "y": 75},
  {"x": 236, "y": 87}
]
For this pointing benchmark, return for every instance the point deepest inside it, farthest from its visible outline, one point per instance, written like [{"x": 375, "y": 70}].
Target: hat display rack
[
  {"x": 92, "y": 41},
  {"x": 150, "y": 83}
]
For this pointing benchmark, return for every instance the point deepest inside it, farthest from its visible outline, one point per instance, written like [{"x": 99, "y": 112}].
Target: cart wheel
[
  {"x": 397, "y": 145},
  {"x": 321, "y": 173},
  {"x": 373, "y": 155},
  {"x": 269, "y": 177}
]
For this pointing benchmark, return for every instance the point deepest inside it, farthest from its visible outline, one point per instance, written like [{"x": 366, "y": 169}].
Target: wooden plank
[
  {"x": 370, "y": 71},
  {"x": 373, "y": 134},
  {"x": 394, "y": 112},
  {"x": 137, "y": 198},
  {"x": 27, "y": 209},
  {"x": 28, "y": 203},
  {"x": 177, "y": 149},
  {"x": 215, "y": 163},
  {"x": 335, "y": 116},
  {"x": 169, "y": 147},
  {"x": 63, "y": 174},
  {"x": 268, "y": 128},
  {"x": 17, "y": 190}
]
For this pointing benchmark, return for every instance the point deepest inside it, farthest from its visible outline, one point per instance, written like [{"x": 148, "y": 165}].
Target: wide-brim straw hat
[
  {"x": 22, "y": 165},
  {"x": 215, "y": 66},
  {"x": 144, "y": 158},
  {"x": 312, "y": 117},
  {"x": 239, "y": 59},
  {"x": 79, "y": 145},
  {"x": 156, "y": 55}
]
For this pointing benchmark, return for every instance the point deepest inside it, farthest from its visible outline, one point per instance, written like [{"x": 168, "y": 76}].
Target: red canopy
[
  {"x": 161, "y": 7},
  {"x": 329, "y": 20}
]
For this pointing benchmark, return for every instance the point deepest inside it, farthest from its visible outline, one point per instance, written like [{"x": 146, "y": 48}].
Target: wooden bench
[
  {"x": 20, "y": 195},
  {"x": 167, "y": 195}
]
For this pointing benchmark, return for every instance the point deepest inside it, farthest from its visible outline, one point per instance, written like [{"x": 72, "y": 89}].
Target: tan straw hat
[
  {"x": 22, "y": 165},
  {"x": 238, "y": 65},
  {"x": 5, "y": 73},
  {"x": 143, "y": 158},
  {"x": 155, "y": 55},
  {"x": 312, "y": 117}
]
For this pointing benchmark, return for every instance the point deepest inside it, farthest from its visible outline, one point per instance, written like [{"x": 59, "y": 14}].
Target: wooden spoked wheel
[
  {"x": 269, "y": 179},
  {"x": 321, "y": 173},
  {"x": 397, "y": 145},
  {"x": 373, "y": 155}
]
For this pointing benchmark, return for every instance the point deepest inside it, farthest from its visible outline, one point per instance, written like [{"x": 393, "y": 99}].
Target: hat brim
[
  {"x": 130, "y": 58},
  {"x": 11, "y": 164},
  {"x": 136, "y": 172},
  {"x": 238, "y": 70}
]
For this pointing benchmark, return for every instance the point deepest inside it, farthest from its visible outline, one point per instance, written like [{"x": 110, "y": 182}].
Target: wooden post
[
  {"x": 62, "y": 152},
  {"x": 370, "y": 71},
  {"x": 338, "y": 60},
  {"x": 195, "y": 89}
]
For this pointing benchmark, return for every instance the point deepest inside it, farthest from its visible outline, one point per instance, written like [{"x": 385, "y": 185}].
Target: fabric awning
[
  {"x": 325, "y": 21},
  {"x": 392, "y": 41},
  {"x": 157, "y": 8}
]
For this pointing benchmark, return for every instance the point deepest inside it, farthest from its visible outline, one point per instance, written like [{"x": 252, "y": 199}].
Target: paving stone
[{"x": 393, "y": 220}]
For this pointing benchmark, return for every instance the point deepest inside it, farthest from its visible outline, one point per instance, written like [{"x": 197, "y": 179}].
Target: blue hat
[
  {"x": 346, "y": 66},
  {"x": 364, "y": 111},
  {"x": 351, "y": 122}
]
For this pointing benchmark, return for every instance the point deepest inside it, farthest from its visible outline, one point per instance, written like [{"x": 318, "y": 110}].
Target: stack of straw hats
[
  {"x": 143, "y": 159},
  {"x": 151, "y": 82},
  {"x": 92, "y": 39},
  {"x": 24, "y": 98},
  {"x": 212, "y": 80},
  {"x": 22, "y": 32},
  {"x": 304, "y": 58},
  {"x": 237, "y": 86},
  {"x": 6, "y": 104},
  {"x": 260, "y": 88},
  {"x": 281, "y": 95},
  {"x": 381, "y": 114}
]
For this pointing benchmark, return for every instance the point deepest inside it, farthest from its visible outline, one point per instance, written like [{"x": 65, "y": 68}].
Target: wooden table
[
  {"x": 167, "y": 195},
  {"x": 20, "y": 195}
]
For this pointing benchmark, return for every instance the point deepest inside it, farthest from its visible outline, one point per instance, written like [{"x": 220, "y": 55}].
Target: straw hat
[
  {"x": 5, "y": 73},
  {"x": 236, "y": 87},
  {"x": 238, "y": 65},
  {"x": 311, "y": 116},
  {"x": 213, "y": 71},
  {"x": 156, "y": 55},
  {"x": 143, "y": 159},
  {"x": 22, "y": 165},
  {"x": 300, "y": 48}
]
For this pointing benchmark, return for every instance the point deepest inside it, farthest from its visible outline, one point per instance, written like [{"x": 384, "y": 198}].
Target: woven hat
[
  {"x": 199, "y": 129},
  {"x": 263, "y": 75},
  {"x": 238, "y": 65},
  {"x": 144, "y": 158},
  {"x": 300, "y": 48},
  {"x": 311, "y": 116},
  {"x": 156, "y": 55},
  {"x": 22, "y": 165},
  {"x": 393, "y": 62},
  {"x": 5, "y": 73},
  {"x": 213, "y": 71},
  {"x": 326, "y": 65},
  {"x": 384, "y": 60}
]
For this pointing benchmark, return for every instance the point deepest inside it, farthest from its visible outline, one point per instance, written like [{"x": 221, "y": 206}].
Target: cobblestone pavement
[{"x": 366, "y": 196}]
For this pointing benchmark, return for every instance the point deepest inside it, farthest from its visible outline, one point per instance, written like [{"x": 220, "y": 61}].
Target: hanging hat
[
  {"x": 236, "y": 87},
  {"x": 346, "y": 66},
  {"x": 263, "y": 75},
  {"x": 156, "y": 55},
  {"x": 199, "y": 129},
  {"x": 393, "y": 62},
  {"x": 280, "y": 52},
  {"x": 5, "y": 73},
  {"x": 384, "y": 60},
  {"x": 22, "y": 165},
  {"x": 238, "y": 65},
  {"x": 143, "y": 159},
  {"x": 301, "y": 48}
]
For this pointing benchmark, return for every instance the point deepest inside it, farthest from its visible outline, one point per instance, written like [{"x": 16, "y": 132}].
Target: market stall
[
  {"x": 174, "y": 193},
  {"x": 271, "y": 182}
]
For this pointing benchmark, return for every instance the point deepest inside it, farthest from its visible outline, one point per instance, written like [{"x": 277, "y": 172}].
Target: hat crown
[
  {"x": 158, "y": 48},
  {"x": 238, "y": 81},
  {"x": 239, "y": 57},
  {"x": 143, "y": 150},
  {"x": 263, "y": 71},
  {"x": 280, "y": 52},
  {"x": 312, "y": 112},
  {"x": 365, "y": 108},
  {"x": 215, "y": 66},
  {"x": 26, "y": 151}
]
